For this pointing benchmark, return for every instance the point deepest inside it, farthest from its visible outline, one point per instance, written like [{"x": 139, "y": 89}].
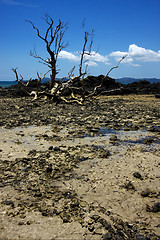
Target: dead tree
[
  {"x": 86, "y": 51},
  {"x": 54, "y": 44},
  {"x": 56, "y": 93},
  {"x": 87, "y": 35}
]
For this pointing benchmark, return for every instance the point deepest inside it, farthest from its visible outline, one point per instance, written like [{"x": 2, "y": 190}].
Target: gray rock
[
  {"x": 113, "y": 138},
  {"x": 141, "y": 237},
  {"x": 137, "y": 175},
  {"x": 146, "y": 192},
  {"x": 107, "y": 236}
]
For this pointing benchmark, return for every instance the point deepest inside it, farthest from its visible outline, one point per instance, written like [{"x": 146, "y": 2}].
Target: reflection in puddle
[
  {"x": 122, "y": 138},
  {"x": 143, "y": 136},
  {"x": 42, "y": 137}
]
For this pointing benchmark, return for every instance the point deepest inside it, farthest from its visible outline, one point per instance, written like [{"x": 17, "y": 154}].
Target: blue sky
[{"x": 120, "y": 27}]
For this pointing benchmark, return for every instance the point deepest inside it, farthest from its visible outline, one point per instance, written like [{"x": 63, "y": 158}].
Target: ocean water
[
  {"x": 121, "y": 80},
  {"x": 7, "y": 83}
]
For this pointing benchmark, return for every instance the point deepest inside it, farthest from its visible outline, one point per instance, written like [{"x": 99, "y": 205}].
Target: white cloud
[
  {"x": 69, "y": 56},
  {"x": 129, "y": 61},
  {"x": 98, "y": 57},
  {"x": 91, "y": 63},
  {"x": 135, "y": 56},
  {"x": 118, "y": 54},
  {"x": 142, "y": 54},
  {"x": 136, "y": 53},
  {"x": 93, "y": 58},
  {"x": 90, "y": 59}
]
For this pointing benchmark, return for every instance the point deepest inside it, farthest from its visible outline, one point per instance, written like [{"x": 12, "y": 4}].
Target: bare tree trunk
[
  {"x": 54, "y": 44},
  {"x": 53, "y": 73}
]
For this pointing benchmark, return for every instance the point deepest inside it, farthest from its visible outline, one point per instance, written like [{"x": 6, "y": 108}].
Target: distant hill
[
  {"x": 127, "y": 80},
  {"x": 48, "y": 79},
  {"x": 124, "y": 80}
]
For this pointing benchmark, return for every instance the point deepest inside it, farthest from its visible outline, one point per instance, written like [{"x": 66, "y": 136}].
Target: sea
[
  {"x": 5, "y": 84},
  {"x": 125, "y": 80}
]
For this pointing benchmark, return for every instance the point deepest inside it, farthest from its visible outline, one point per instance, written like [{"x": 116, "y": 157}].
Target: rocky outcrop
[
  {"x": 109, "y": 87},
  {"x": 142, "y": 87}
]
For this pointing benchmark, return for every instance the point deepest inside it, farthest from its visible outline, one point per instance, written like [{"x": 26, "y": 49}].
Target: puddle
[
  {"x": 16, "y": 141},
  {"x": 131, "y": 136}
]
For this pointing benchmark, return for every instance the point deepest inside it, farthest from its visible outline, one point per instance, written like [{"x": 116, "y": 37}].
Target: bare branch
[
  {"x": 71, "y": 74},
  {"x": 94, "y": 92},
  {"x": 71, "y": 101},
  {"x": 84, "y": 52},
  {"x": 20, "y": 80},
  {"x": 38, "y": 33},
  {"x": 51, "y": 38},
  {"x": 117, "y": 64},
  {"x": 41, "y": 78},
  {"x": 44, "y": 61},
  {"x": 50, "y": 26}
]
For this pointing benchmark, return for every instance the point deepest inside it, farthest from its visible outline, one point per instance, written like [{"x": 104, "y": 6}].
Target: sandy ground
[
  {"x": 100, "y": 182},
  {"x": 71, "y": 172}
]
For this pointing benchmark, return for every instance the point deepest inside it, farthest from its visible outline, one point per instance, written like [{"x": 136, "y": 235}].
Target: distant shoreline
[{"x": 125, "y": 80}]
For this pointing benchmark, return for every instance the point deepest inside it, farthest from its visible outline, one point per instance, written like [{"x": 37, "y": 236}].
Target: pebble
[
  {"x": 107, "y": 236},
  {"x": 156, "y": 207},
  {"x": 113, "y": 138},
  {"x": 146, "y": 192},
  {"x": 148, "y": 140},
  {"x": 9, "y": 202},
  {"x": 129, "y": 186},
  {"x": 141, "y": 237},
  {"x": 137, "y": 175}
]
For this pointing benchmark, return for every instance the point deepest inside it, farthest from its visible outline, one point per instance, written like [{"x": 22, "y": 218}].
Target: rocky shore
[
  {"x": 80, "y": 172},
  {"x": 109, "y": 87}
]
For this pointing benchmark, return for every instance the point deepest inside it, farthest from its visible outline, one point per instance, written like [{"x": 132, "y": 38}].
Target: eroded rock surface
[{"x": 71, "y": 172}]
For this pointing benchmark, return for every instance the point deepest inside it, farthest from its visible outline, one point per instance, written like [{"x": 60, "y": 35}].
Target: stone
[
  {"x": 137, "y": 175},
  {"x": 10, "y": 202},
  {"x": 49, "y": 169},
  {"x": 148, "y": 140},
  {"x": 21, "y": 223},
  {"x": 141, "y": 237},
  {"x": 156, "y": 207},
  {"x": 91, "y": 228},
  {"x": 103, "y": 153},
  {"x": 113, "y": 138},
  {"x": 66, "y": 218},
  {"x": 56, "y": 149},
  {"x": 107, "y": 236},
  {"x": 129, "y": 186},
  {"x": 50, "y": 148},
  {"x": 146, "y": 192}
]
